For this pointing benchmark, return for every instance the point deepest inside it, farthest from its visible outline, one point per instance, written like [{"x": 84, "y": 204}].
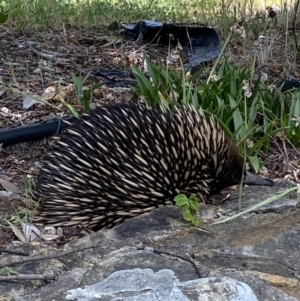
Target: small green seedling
[{"x": 190, "y": 207}]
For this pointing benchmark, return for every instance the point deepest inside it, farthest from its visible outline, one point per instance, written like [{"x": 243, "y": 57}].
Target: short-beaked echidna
[{"x": 122, "y": 160}]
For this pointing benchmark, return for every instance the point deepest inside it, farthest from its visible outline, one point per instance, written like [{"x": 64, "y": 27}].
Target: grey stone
[{"x": 145, "y": 285}]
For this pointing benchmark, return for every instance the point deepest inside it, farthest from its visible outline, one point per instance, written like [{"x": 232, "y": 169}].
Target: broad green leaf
[
  {"x": 187, "y": 215},
  {"x": 163, "y": 101},
  {"x": 181, "y": 199},
  {"x": 195, "y": 221},
  {"x": 254, "y": 161}
]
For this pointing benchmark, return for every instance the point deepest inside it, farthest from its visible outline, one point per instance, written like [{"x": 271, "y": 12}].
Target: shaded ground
[{"x": 41, "y": 64}]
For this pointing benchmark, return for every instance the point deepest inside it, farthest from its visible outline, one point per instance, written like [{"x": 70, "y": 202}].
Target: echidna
[{"x": 122, "y": 160}]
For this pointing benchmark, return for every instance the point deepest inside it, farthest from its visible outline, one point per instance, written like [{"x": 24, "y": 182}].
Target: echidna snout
[
  {"x": 249, "y": 179},
  {"x": 122, "y": 160},
  {"x": 253, "y": 179}
]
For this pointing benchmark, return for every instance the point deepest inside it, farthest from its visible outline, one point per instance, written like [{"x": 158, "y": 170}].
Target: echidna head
[
  {"x": 249, "y": 179},
  {"x": 230, "y": 171},
  {"x": 253, "y": 179}
]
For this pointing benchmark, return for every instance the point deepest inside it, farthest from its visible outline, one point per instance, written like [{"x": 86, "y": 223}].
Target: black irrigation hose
[
  {"x": 35, "y": 131},
  {"x": 289, "y": 84}
]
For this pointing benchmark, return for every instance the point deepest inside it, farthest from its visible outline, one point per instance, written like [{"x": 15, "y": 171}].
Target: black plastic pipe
[{"x": 35, "y": 131}]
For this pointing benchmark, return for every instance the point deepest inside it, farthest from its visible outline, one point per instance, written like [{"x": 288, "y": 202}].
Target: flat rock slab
[
  {"x": 260, "y": 249},
  {"x": 145, "y": 285}
]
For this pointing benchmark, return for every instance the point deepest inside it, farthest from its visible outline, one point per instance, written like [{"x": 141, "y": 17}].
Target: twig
[
  {"x": 29, "y": 277},
  {"x": 184, "y": 258},
  {"x": 44, "y": 257},
  {"x": 41, "y": 54},
  {"x": 14, "y": 252}
]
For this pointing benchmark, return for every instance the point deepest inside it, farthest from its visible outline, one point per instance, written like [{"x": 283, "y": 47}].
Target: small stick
[{"x": 29, "y": 277}]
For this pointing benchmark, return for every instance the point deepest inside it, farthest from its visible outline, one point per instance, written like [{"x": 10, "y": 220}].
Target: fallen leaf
[
  {"x": 9, "y": 186},
  {"x": 28, "y": 102}
]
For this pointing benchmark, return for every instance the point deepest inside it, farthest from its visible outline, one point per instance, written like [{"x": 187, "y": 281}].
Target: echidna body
[{"x": 122, "y": 160}]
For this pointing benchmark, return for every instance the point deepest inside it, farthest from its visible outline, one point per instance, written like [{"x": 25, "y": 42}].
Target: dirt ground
[{"x": 41, "y": 64}]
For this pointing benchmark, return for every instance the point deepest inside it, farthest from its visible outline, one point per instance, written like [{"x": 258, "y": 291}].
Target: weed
[{"x": 190, "y": 207}]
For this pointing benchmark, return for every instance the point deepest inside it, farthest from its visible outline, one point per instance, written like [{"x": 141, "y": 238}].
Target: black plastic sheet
[{"x": 200, "y": 44}]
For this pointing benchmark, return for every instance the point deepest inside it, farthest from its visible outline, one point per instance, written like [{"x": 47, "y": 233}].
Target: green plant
[
  {"x": 82, "y": 96},
  {"x": 247, "y": 110},
  {"x": 190, "y": 207},
  {"x": 291, "y": 118},
  {"x": 24, "y": 214},
  {"x": 8, "y": 272},
  {"x": 165, "y": 85},
  {"x": 3, "y": 15}
]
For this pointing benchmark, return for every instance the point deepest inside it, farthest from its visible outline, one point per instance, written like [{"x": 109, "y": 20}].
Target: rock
[
  {"x": 145, "y": 285},
  {"x": 257, "y": 253}
]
